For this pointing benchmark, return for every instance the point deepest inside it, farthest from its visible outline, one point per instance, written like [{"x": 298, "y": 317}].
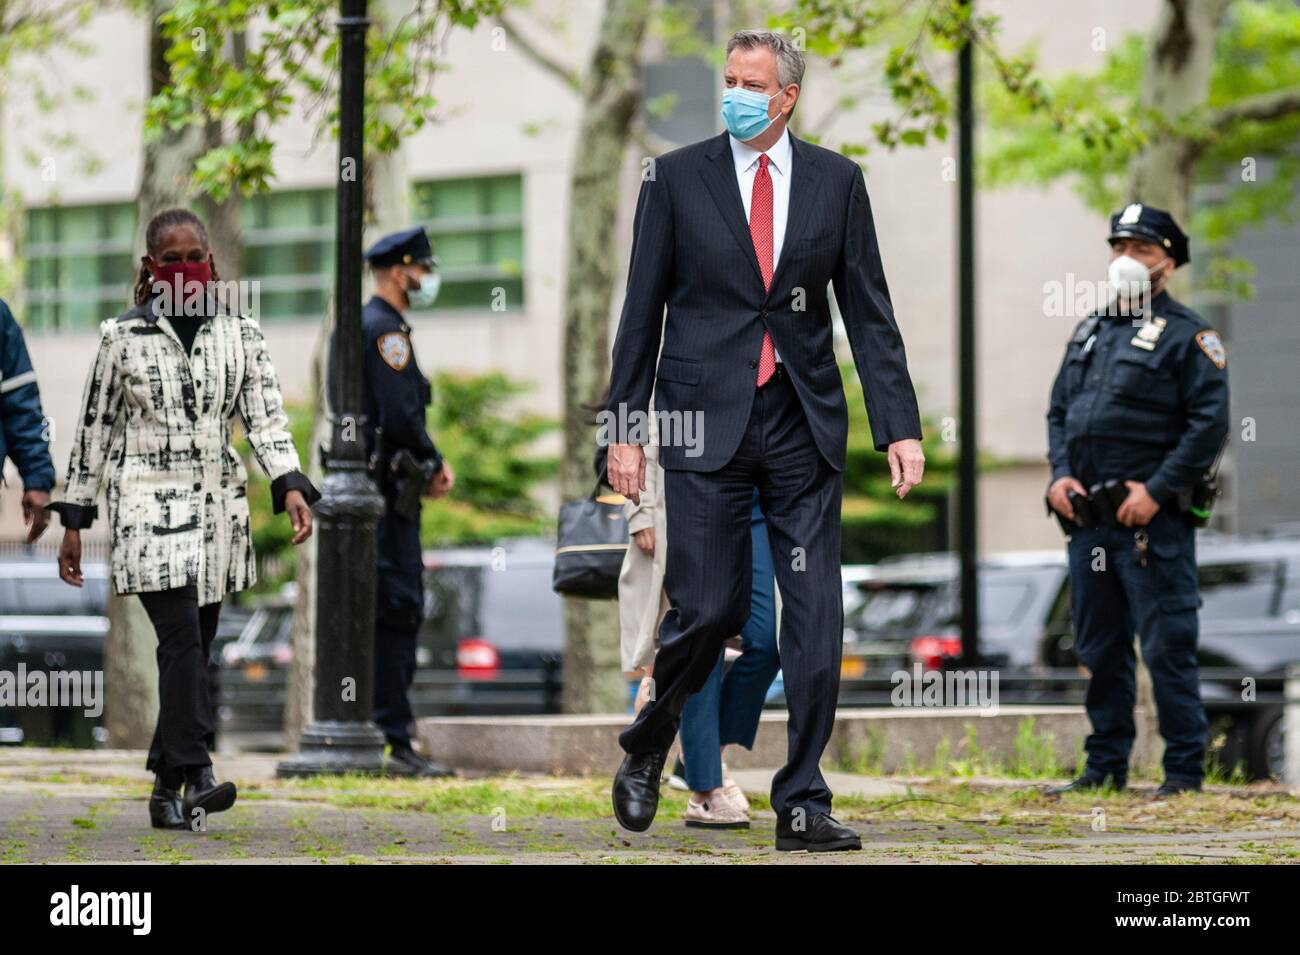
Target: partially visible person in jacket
[
  {"x": 23, "y": 437},
  {"x": 727, "y": 707},
  {"x": 170, "y": 375}
]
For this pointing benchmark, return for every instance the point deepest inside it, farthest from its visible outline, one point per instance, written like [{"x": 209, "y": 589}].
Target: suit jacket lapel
[
  {"x": 720, "y": 178},
  {"x": 803, "y": 189}
]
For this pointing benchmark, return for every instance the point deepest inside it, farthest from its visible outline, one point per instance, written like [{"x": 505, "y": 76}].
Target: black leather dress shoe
[
  {"x": 203, "y": 792},
  {"x": 1088, "y": 783},
  {"x": 636, "y": 790},
  {"x": 405, "y": 761},
  {"x": 819, "y": 833},
  {"x": 1172, "y": 787},
  {"x": 165, "y": 806}
]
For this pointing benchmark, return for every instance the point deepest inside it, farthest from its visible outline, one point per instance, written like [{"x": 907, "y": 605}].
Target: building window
[
  {"x": 81, "y": 268},
  {"x": 477, "y": 228},
  {"x": 288, "y": 246}
]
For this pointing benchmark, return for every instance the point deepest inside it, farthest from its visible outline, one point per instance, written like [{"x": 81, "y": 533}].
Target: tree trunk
[
  {"x": 10, "y": 287},
  {"x": 130, "y": 674},
  {"x": 302, "y": 670},
  {"x": 1176, "y": 83},
  {"x": 611, "y": 96}
]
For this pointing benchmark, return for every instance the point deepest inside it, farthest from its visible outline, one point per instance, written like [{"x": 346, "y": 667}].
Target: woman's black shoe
[
  {"x": 203, "y": 793},
  {"x": 165, "y": 806}
]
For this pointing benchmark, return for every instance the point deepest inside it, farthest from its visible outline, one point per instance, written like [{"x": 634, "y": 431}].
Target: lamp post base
[{"x": 332, "y": 747}]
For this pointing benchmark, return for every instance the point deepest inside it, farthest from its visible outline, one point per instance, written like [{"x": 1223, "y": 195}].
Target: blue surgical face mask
[
  {"x": 744, "y": 112},
  {"x": 424, "y": 296}
]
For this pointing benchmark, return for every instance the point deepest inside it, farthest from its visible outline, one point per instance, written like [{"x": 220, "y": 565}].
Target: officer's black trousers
[
  {"x": 186, "y": 729},
  {"x": 394, "y": 671},
  {"x": 1115, "y": 594},
  {"x": 399, "y": 610}
]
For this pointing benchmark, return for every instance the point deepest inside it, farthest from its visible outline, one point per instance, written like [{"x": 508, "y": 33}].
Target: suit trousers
[
  {"x": 186, "y": 728},
  {"x": 708, "y": 582}
]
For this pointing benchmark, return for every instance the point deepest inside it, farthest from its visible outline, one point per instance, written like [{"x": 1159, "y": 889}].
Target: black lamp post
[
  {"x": 968, "y": 463},
  {"x": 342, "y": 737}
]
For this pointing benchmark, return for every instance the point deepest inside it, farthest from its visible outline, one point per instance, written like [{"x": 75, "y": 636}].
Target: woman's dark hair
[{"x": 159, "y": 225}]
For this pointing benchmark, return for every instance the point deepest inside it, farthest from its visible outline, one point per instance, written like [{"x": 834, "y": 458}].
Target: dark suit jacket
[{"x": 691, "y": 251}]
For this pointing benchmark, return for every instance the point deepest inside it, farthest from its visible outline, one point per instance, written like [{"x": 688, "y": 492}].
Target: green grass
[{"x": 1033, "y": 756}]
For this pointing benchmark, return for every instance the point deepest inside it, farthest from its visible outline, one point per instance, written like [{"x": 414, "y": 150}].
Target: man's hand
[
  {"x": 1138, "y": 508},
  {"x": 1058, "y": 495},
  {"x": 645, "y": 540},
  {"x": 440, "y": 484},
  {"x": 35, "y": 514},
  {"x": 70, "y": 558},
  {"x": 906, "y": 465},
  {"x": 299, "y": 515},
  {"x": 626, "y": 466}
]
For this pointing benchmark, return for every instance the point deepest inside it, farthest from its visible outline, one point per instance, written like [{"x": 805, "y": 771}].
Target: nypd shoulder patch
[
  {"x": 394, "y": 349},
  {"x": 1210, "y": 343}
]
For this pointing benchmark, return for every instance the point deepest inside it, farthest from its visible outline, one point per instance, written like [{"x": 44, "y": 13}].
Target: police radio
[{"x": 1197, "y": 502}]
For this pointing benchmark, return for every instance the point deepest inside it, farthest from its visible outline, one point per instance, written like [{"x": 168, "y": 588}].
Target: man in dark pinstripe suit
[{"x": 739, "y": 237}]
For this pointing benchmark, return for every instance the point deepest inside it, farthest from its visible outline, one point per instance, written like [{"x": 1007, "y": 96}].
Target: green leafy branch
[{"x": 292, "y": 64}]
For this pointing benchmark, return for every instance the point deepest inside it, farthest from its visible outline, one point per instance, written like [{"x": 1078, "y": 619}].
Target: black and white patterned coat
[{"x": 157, "y": 424}]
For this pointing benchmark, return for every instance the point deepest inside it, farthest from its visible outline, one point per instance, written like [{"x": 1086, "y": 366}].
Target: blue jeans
[
  {"x": 727, "y": 708},
  {"x": 1115, "y": 597}
]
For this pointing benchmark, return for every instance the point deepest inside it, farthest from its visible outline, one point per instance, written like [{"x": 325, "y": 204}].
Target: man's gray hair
[{"x": 789, "y": 61}]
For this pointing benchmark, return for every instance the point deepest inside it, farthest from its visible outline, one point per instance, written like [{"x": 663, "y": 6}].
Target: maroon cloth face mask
[{"x": 200, "y": 272}]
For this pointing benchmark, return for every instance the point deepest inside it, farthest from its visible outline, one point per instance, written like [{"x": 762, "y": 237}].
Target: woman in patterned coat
[{"x": 155, "y": 432}]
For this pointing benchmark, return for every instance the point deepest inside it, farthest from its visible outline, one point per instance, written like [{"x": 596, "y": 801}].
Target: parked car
[
  {"x": 47, "y": 625},
  {"x": 492, "y": 608},
  {"x": 1250, "y": 631},
  {"x": 253, "y": 673},
  {"x": 910, "y": 611},
  {"x": 491, "y": 642},
  {"x": 32, "y": 587}
]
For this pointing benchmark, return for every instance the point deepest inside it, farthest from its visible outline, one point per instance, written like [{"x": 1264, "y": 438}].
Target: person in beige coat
[
  {"x": 726, "y": 709},
  {"x": 641, "y": 598}
]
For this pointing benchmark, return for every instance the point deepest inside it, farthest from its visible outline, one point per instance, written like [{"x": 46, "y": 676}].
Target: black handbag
[{"x": 590, "y": 547}]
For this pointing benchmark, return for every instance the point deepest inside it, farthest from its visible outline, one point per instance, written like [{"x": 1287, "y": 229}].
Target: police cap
[
  {"x": 1136, "y": 221},
  {"x": 409, "y": 247}
]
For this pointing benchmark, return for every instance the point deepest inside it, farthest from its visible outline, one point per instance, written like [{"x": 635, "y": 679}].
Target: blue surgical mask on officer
[
  {"x": 424, "y": 296},
  {"x": 744, "y": 112}
]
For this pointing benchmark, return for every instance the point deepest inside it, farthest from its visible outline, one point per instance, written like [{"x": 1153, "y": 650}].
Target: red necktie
[{"x": 760, "y": 231}]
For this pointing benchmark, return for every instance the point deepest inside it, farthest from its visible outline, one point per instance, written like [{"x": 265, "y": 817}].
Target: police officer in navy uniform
[
  {"x": 23, "y": 431},
  {"x": 396, "y": 394},
  {"x": 1138, "y": 419}
]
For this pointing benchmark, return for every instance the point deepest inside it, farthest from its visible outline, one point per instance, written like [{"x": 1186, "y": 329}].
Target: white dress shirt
[{"x": 779, "y": 157}]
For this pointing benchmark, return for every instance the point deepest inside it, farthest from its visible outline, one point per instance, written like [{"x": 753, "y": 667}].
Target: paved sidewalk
[{"x": 78, "y": 806}]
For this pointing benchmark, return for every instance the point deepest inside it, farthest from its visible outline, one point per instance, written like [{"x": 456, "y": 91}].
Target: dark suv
[{"x": 1250, "y": 633}]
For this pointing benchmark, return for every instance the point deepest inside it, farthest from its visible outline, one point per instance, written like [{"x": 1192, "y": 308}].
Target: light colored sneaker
[
  {"x": 715, "y": 811},
  {"x": 736, "y": 795}
]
